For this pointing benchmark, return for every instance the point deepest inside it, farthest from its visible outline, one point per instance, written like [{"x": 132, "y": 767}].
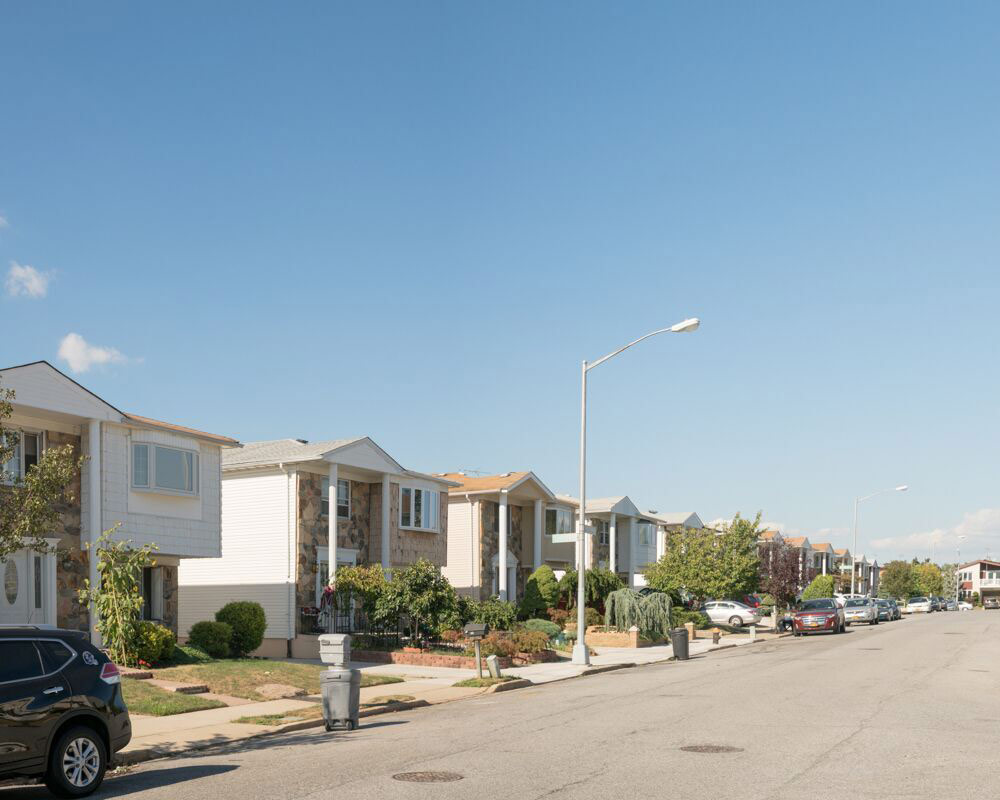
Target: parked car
[
  {"x": 860, "y": 609},
  {"x": 62, "y": 714},
  {"x": 991, "y": 602},
  {"x": 884, "y": 610},
  {"x": 952, "y": 605},
  {"x": 821, "y": 615},
  {"x": 964, "y": 606},
  {"x": 729, "y": 612},
  {"x": 918, "y": 605},
  {"x": 894, "y": 607}
]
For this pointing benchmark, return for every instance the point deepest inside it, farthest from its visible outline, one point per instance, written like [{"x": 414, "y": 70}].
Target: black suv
[{"x": 62, "y": 714}]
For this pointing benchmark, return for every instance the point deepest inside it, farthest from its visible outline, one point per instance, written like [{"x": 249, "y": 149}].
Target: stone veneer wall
[
  {"x": 72, "y": 564},
  {"x": 170, "y": 597},
  {"x": 490, "y": 527},
  {"x": 313, "y": 530},
  {"x": 407, "y": 546}
]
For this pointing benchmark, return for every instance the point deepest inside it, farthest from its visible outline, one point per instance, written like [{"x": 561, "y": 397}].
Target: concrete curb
[
  {"x": 507, "y": 686},
  {"x": 606, "y": 668}
]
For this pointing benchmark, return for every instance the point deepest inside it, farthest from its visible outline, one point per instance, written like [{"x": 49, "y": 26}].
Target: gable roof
[
  {"x": 769, "y": 535},
  {"x": 225, "y": 441},
  {"x": 980, "y": 561},
  {"x": 825, "y": 547},
  {"x": 463, "y": 483},
  {"x": 797, "y": 541},
  {"x": 282, "y": 451},
  {"x": 843, "y": 551},
  {"x": 684, "y": 519}
]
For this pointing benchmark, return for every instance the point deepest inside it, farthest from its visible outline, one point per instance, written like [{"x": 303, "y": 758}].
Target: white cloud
[
  {"x": 981, "y": 529},
  {"x": 3, "y": 222},
  {"x": 27, "y": 281},
  {"x": 81, "y": 356}
]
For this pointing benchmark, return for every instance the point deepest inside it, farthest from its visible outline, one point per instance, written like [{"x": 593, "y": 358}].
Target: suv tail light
[{"x": 110, "y": 673}]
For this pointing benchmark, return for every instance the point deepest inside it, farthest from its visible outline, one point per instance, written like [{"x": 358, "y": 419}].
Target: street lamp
[
  {"x": 580, "y": 653},
  {"x": 858, "y": 501}
]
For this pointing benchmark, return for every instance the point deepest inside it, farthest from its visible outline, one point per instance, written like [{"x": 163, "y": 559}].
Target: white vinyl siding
[
  {"x": 256, "y": 516},
  {"x": 462, "y": 546}
]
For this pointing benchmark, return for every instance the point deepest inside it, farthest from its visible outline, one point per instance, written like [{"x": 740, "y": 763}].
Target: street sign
[{"x": 563, "y": 538}]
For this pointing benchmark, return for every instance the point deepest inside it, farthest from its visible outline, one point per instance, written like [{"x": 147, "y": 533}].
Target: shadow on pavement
[{"x": 126, "y": 784}]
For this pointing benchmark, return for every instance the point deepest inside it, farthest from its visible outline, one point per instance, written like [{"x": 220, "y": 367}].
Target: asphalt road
[{"x": 902, "y": 710}]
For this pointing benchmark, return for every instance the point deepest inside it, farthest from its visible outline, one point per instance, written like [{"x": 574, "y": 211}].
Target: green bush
[
  {"x": 497, "y": 644},
  {"x": 550, "y": 629},
  {"x": 188, "y": 654},
  {"x": 154, "y": 643},
  {"x": 821, "y": 586},
  {"x": 678, "y": 618},
  {"x": 496, "y": 613},
  {"x": 247, "y": 621},
  {"x": 541, "y": 592},
  {"x": 212, "y": 637},
  {"x": 530, "y": 641},
  {"x": 597, "y": 585}
]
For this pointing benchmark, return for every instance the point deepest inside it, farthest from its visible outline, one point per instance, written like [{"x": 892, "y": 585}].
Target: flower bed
[{"x": 428, "y": 659}]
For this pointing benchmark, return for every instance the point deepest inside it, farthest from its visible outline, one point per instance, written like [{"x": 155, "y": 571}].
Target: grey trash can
[
  {"x": 341, "y": 689},
  {"x": 679, "y": 643}
]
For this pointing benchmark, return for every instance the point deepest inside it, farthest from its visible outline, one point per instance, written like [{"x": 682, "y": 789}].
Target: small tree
[
  {"x": 928, "y": 578},
  {"x": 30, "y": 503},
  {"x": 821, "y": 586},
  {"x": 367, "y": 585},
  {"x": 897, "y": 580},
  {"x": 650, "y": 613},
  {"x": 117, "y": 602},
  {"x": 597, "y": 585},
  {"x": 782, "y": 579},
  {"x": 541, "y": 592},
  {"x": 421, "y": 593}
]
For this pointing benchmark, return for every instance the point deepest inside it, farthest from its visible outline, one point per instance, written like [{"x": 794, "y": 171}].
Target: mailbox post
[{"x": 476, "y": 631}]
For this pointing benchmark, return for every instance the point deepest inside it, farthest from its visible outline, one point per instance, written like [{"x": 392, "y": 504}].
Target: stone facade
[
  {"x": 489, "y": 525},
  {"x": 407, "y": 546},
  {"x": 170, "y": 597}
]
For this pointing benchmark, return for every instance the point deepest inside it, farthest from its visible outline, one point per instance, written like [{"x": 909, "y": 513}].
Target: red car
[{"x": 822, "y": 615}]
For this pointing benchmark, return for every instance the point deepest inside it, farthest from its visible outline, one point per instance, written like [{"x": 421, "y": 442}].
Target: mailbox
[{"x": 476, "y": 630}]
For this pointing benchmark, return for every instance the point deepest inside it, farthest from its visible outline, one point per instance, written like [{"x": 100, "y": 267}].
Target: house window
[
  {"x": 418, "y": 508},
  {"x": 603, "y": 531},
  {"x": 26, "y": 453},
  {"x": 343, "y": 498},
  {"x": 558, "y": 520},
  {"x": 164, "y": 468},
  {"x": 645, "y": 534}
]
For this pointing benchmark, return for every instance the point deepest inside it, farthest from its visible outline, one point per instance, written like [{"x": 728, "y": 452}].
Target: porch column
[
  {"x": 94, "y": 514},
  {"x": 613, "y": 543},
  {"x": 826, "y": 556},
  {"x": 539, "y": 524},
  {"x": 661, "y": 541},
  {"x": 631, "y": 552},
  {"x": 332, "y": 522},
  {"x": 51, "y": 596},
  {"x": 502, "y": 555},
  {"x": 386, "y": 505}
]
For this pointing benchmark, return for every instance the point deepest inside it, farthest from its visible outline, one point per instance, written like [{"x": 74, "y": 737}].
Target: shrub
[
  {"x": 154, "y": 643},
  {"x": 188, "y": 654},
  {"x": 598, "y": 584},
  {"x": 541, "y": 591},
  {"x": 212, "y": 637},
  {"x": 496, "y": 613},
  {"x": 550, "y": 629},
  {"x": 450, "y": 636},
  {"x": 591, "y": 616},
  {"x": 678, "y": 617},
  {"x": 497, "y": 644},
  {"x": 821, "y": 586},
  {"x": 559, "y": 616},
  {"x": 650, "y": 613},
  {"x": 247, "y": 620},
  {"x": 530, "y": 641}
]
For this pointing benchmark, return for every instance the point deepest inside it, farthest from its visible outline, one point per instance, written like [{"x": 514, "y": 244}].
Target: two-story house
[
  {"x": 280, "y": 502},
  {"x": 159, "y": 482}
]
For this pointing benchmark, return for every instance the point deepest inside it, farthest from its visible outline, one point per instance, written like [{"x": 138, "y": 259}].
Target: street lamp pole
[
  {"x": 858, "y": 501},
  {"x": 958, "y": 562},
  {"x": 581, "y": 654}
]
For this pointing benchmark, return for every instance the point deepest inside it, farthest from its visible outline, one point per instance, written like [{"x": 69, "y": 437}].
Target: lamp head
[
  {"x": 902, "y": 488},
  {"x": 686, "y": 326}
]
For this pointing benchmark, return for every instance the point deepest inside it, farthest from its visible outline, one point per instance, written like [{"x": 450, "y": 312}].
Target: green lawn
[
  {"x": 240, "y": 678},
  {"x": 482, "y": 683},
  {"x": 143, "y": 698}
]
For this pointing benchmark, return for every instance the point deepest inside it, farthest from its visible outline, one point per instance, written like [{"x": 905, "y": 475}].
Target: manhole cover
[
  {"x": 711, "y": 748},
  {"x": 427, "y": 777}
]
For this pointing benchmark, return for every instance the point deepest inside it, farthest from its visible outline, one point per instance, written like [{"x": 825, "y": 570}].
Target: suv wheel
[{"x": 77, "y": 763}]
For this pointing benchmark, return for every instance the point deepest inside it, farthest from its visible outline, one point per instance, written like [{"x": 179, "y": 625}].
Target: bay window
[
  {"x": 419, "y": 508},
  {"x": 167, "y": 469},
  {"x": 558, "y": 520}
]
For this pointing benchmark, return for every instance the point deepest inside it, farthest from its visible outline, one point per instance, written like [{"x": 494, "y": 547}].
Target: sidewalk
[{"x": 155, "y": 737}]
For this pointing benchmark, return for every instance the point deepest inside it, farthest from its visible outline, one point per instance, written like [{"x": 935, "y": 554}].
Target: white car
[
  {"x": 963, "y": 606},
  {"x": 860, "y": 609},
  {"x": 729, "y": 612},
  {"x": 918, "y": 605}
]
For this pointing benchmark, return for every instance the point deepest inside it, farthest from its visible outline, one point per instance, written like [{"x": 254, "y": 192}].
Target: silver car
[
  {"x": 730, "y": 612},
  {"x": 860, "y": 609}
]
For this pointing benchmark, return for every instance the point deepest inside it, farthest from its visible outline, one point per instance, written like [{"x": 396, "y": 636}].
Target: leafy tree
[
  {"x": 367, "y": 585},
  {"x": 422, "y": 594},
  {"x": 821, "y": 586},
  {"x": 897, "y": 580},
  {"x": 117, "y": 602},
  {"x": 29, "y": 504},
  {"x": 928, "y": 578},
  {"x": 706, "y": 563},
  {"x": 597, "y": 585},
  {"x": 650, "y": 613},
  {"x": 541, "y": 592},
  {"x": 782, "y": 578},
  {"x": 949, "y": 580}
]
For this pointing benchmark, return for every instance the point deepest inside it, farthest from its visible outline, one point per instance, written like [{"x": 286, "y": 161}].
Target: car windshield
[
  {"x": 882, "y": 603},
  {"x": 812, "y": 605},
  {"x": 855, "y": 603}
]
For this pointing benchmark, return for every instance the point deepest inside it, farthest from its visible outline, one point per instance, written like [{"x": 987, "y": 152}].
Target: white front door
[{"x": 16, "y": 599}]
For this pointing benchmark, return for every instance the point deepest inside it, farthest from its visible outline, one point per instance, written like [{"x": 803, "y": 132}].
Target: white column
[
  {"x": 502, "y": 555},
  {"x": 332, "y": 522},
  {"x": 386, "y": 511},
  {"x": 632, "y": 546},
  {"x": 539, "y": 524},
  {"x": 613, "y": 543},
  {"x": 94, "y": 521},
  {"x": 825, "y": 557},
  {"x": 51, "y": 596},
  {"x": 661, "y": 541}
]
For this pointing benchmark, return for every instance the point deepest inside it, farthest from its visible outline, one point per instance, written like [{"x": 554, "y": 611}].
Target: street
[{"x": 904, "y": 709}]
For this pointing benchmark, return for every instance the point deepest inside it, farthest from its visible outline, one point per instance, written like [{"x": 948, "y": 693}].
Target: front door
[{"x": 15, "y": 601}]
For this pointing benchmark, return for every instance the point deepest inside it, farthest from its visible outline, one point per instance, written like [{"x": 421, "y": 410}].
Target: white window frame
[
  {"x": 325, "y": 497},
  {"x": 5, "y": 477},
  {"x": 567, "y": 513},
  {"x": 151, "y": 469},
  {"x": 603, "y": 531},
  {"x": 435, "y": 503},
  {"x": 645, "y": 532}
]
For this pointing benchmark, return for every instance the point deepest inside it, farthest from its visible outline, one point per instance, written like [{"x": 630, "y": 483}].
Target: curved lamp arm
[{"x": 686, "y": 326}]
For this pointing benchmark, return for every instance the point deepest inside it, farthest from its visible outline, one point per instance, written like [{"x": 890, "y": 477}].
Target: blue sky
[{"x": 412, "y": 221}]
